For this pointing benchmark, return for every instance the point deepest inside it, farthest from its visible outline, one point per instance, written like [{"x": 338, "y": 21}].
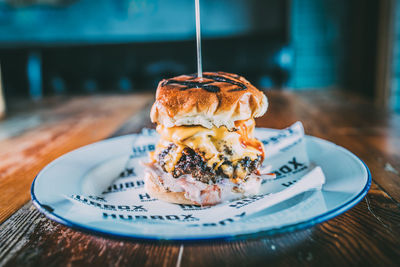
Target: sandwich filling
[
  {"x": 209, "y": 154},
  {"x": 207, "y": 148}
]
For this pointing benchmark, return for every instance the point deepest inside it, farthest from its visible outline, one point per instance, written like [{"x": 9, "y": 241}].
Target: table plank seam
[
  {"x": 377, "y": 217},
  {"x": 180, "y": 254}
]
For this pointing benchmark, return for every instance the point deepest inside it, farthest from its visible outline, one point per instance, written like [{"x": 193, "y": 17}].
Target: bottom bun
[{"x": 154, "y": 189}]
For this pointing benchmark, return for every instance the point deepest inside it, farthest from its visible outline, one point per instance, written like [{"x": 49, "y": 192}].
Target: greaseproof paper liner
[{"x": 126, "y": 200}]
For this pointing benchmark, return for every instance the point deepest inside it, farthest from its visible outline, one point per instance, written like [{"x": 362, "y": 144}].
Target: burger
[{"x": 207, "y": 152}]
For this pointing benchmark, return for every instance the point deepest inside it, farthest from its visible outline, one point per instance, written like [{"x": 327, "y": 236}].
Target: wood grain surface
[
  {"x": 59, "y": 129},
  {"x": 366, "y": 235}
]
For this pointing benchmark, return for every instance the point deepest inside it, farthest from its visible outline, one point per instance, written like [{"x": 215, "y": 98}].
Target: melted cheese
[{"x": 214, "y": 144}]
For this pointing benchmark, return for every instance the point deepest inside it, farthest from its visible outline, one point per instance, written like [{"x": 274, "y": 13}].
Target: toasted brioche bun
[
  {"x": 155, "y": 190},
  {"x": 218, "y": 99}
]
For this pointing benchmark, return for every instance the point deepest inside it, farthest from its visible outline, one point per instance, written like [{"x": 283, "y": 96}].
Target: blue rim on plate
[{"x": 48, "y": 212}]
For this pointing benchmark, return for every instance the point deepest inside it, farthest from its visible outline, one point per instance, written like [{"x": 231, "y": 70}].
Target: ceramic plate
[{"x": 92, "y": 169}]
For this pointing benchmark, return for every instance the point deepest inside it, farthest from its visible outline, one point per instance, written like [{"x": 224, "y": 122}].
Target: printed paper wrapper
[{"x": 123, "y": 197}]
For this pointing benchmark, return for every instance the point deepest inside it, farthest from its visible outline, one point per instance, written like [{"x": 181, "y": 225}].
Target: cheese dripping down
[{"x": 215, "y": 145}]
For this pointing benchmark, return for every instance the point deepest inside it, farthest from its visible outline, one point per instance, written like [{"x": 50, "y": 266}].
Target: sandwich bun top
[{"x": 218, "y": 99}]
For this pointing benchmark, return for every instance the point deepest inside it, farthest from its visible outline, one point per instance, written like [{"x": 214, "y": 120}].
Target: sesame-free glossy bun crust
[{"x": 217, "y": 99}]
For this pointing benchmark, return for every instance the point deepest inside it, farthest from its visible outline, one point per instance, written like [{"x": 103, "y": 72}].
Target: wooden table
[{"x": 368, "y": 234}]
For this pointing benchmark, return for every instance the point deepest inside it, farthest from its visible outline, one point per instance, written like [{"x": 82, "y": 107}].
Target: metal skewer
[{"x": 198, "y": 40}]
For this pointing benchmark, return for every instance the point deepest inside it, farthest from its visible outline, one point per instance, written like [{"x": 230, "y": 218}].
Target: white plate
[{"x": 347, "y": 182}]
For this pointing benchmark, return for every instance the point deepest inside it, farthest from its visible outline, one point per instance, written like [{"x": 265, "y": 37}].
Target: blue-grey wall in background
[
  {"x": 108, "y": 21},
  {"x": 94, "y": 46},
  {"x": 318, "y": 40},
  {"x": 34, "y": 73},
  {"x": 395, "y": 99}
]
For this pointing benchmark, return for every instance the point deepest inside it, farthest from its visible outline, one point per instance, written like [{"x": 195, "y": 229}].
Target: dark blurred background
[{"x": 68, "y": 47}]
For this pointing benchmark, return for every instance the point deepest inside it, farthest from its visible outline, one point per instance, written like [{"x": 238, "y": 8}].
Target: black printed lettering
[
  {"x": 142, "y": 150},
  {"x": 275, "y": 139},
  {"x": 124, "y": 186},
  {"x": 109, "y": 207},
  {"x": 138, "y": 208},
  {"x": 144, "y": 196},
  {"x": 128, "y": 172},
  {"x": 80, "y": 198},
  {"x": 186, "y": 206},
  {"x": 95, "y": 204},
  {"x": 189, "y": 217},
  {"x": 285, "y": 169},
  {"x": 117, "y": 187},
  {"x": 106, "y": 215},
  {"x": 98, "y": 198},
  {"x": 292, "y": 167},
  {"x": 209, "y": 224},
  {"x": 241, "y": 214},
  {"x": 223, "y": 222},
  {"x": 287, "y": 184},
  {"x": 172, "y": 217},
  {"x": 295, "y": 163},
  {"x": 129, "y": 184},
  {"x": 125, "y": 217},
  {"x": 235, "y": 204},
  {"x": 246, "y": 201}
]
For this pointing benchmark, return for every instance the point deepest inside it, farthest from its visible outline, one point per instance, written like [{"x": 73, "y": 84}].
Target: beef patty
[{"x": 194, "y": 164}]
